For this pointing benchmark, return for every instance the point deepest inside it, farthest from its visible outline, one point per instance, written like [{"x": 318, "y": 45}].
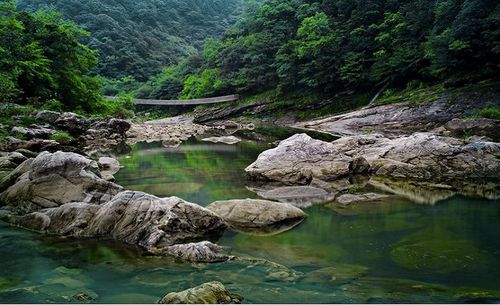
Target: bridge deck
[{"x": 200, "y": 101}]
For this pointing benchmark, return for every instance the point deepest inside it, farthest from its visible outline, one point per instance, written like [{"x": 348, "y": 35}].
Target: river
[{"x": 392, "y": 251}]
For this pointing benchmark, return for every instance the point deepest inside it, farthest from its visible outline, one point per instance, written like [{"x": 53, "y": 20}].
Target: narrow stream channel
[{"x": 393, "y": 251}]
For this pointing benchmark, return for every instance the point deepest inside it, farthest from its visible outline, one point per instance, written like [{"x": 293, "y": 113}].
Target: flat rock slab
[
  {"x": 298, "y": 196},
  {"x": 226, "y": 140},
  {"x": 258, "y": 216},
  {"x": 347, "y": 199}
]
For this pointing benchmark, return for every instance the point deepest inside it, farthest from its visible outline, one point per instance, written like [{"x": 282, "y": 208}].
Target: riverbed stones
[
  {"x": 420, "y": 156},
  {"x": 33, "y": 132},
  {"x": 200, "y": 252},
  {"x": 48, "y": 117},
  {"x": 208, "y": 293},
  {"x": 163, "y": 131},
  {"x": 54, "y": 179},
  {"x": 134, "y": 218},
  {"x": 72, "y": 122},
  {"x": 258, "y": 216}
]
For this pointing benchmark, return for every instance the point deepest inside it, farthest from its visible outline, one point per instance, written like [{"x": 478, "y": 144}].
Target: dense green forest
[
  {"x": 313, "y": 47},
  {"x": 137, "y": 38},
  {"x": 332, "y": 46}
]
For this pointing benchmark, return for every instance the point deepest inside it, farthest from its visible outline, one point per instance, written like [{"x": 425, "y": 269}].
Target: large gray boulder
[
  {"x": 420, "y": 156},
  {"x": 208, "y": 293},
  {"x": 134, "y": 218},
  {"x": 54, "y": 179},
  {"x": 258, "y": 216},
  {"x": 299, "y": 159}
]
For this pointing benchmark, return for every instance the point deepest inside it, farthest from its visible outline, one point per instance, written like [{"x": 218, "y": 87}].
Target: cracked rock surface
[
  {"x": 420, "y": 156},
  {"x": 135, "y": 218},
  {"x": 54, "y": 179},
  {"x": 258, "y": 216}
]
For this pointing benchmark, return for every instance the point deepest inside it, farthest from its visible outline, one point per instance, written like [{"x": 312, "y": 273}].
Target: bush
[
  {"x": 489, "y": 113},
  {"x": 62, "y": 137},
  {"x": 53, "y": 105}
]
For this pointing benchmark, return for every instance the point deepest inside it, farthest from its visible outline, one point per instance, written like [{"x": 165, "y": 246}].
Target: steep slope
[{"x": 139, "y": 37}]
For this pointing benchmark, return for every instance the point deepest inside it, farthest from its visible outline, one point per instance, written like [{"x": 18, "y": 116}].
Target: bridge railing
[{"x": 199, "y": 101}]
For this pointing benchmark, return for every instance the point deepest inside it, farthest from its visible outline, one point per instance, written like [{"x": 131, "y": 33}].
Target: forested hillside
[
  {"x": 331, "y": 46},
  {"x": 137, "y": 38}
]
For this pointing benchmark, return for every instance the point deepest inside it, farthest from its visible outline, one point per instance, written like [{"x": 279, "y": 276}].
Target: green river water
[{"x": 394, "y": 251}]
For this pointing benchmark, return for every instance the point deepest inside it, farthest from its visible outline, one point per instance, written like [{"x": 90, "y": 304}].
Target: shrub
[
  {"x": 53, "y": 105},
  {"x": 62, "y": 137},
  {"x": 489, "y": 113}
]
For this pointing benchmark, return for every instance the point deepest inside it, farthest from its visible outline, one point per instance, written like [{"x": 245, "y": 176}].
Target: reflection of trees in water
[{"x": 196, "y": 171}]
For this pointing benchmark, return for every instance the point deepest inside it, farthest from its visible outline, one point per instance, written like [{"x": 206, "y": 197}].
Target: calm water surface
[{"x": 395, "y": 251}]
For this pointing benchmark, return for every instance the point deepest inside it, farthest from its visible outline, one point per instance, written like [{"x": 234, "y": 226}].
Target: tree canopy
[
  {"x": 138, "y": 38},
  {"x": 330, "y": 46},
  {"x": 42, "y": 58}
]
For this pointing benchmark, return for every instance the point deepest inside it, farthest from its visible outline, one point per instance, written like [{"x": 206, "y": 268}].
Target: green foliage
[
  {"x": 207, "y": 84},
  {"x": 62, "y": 137},
  {"x": 489, "y": 113},
  {"x": 121, "y": 106},
  {"x": 138, "y": 38},
  {"x": 336, "y": 46},
  {"x": 53, "y": 105},
  {"x": 42, "y": 58}
]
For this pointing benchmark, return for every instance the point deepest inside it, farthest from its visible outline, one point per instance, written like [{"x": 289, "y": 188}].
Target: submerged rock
[
  {"x": 208, "y": 293},
  {"x": 298, "y": 196},
  {"x": 201, "y": 252},
  {"x": 258, "y": 216},
  {"x": 135, "y": 218},
  {"x": 54, "y": 179},
  {"x": 438, "y": 251},
  {"x": 336, "y": 274},
  {"x": 347, "y": 199}
]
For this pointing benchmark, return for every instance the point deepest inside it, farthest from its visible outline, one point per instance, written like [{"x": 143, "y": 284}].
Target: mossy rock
[{"x": 437, "y": 251}]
